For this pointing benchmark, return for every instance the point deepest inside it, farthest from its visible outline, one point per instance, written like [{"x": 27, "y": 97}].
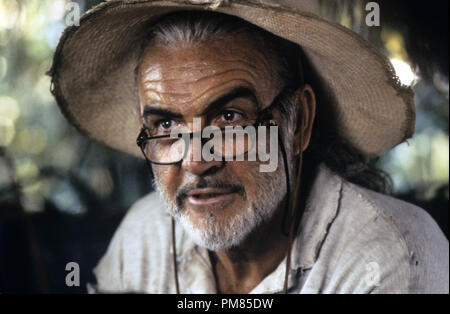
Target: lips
[{"x": 211, "y": 196}]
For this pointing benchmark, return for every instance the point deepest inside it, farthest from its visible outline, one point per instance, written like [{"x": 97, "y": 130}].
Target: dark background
[{"x": 62, "y": 196}]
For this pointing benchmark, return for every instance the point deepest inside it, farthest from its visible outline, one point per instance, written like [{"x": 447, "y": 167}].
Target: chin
[{"x": 216, "y": 234}]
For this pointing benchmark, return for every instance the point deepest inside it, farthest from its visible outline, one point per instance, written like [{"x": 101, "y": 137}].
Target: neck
[{"x": 240, "y": 269}]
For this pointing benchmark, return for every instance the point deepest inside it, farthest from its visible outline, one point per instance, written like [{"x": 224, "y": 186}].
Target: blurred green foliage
[
  {"x": 45, "y": 164},
  {"x": 37, "y": 137},
  {"x": 47, "y": 155}
]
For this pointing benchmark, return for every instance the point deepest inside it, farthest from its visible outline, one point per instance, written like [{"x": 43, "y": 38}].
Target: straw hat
[{"x": 93, "y": 69}]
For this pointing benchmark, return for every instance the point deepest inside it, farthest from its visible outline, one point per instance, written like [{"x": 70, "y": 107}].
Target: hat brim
[{"x": 94, "y": 63}]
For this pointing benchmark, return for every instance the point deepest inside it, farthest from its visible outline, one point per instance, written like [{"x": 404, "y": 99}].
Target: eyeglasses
[{"x": 229, "y": 143}]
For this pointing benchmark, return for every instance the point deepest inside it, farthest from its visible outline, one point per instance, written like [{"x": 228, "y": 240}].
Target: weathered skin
[{"x": 185, "y": 79}]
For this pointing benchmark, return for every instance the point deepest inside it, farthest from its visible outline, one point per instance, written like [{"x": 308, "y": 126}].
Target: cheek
[
  {"x": 166, "y": 176},
  {"x": 259, "y": 184},
  {"x": 247, "y": 173}
]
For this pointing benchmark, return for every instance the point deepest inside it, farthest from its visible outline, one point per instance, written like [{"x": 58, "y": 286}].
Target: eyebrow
[
  {"x": 239, "y": 92},
  {"x": 150, "y": 110}
]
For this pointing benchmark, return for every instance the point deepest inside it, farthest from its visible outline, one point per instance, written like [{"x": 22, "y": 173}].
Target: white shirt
[{"x": 350, "y": 240}]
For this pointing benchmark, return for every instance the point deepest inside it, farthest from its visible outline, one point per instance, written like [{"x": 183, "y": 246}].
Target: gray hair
[
  {"x": 197, "y": 27},
  {"x": 326, "y": 146}
]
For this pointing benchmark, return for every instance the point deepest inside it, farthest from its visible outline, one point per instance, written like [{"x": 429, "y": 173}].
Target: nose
[{"x": 194, "y": 163}]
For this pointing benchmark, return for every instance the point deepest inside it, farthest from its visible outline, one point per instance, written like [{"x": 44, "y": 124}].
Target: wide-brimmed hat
[{"x": 94, "y": 66}]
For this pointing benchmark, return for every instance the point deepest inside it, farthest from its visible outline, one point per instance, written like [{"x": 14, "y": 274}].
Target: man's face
[{"x": 218, "y": 203}]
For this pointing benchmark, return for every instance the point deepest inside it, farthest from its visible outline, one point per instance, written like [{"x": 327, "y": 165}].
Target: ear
[{"x": 305, "y": 100}]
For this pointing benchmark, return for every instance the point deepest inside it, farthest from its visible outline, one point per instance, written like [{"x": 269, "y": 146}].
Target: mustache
[{"x": 202, "y": 183}]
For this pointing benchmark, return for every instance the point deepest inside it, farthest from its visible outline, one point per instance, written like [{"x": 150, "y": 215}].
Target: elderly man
[{"x": 164, "y": 71}]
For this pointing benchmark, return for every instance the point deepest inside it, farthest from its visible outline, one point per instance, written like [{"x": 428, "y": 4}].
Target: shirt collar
[
  {"x": 321, "y": 208},
  {"x": 320, "y": 211}
]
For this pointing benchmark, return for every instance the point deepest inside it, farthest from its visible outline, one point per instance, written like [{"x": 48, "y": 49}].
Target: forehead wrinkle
[
  {"x": 240, "y": 65},
  {"x": 209, "y": 99},
  {"x": 201, "y": 65},
  {"x": 195, "y": 71},
  {"x": 197, "y": 80},
  {"x": 262, "y": 64},
  {"x": 203, "y": 78},
  {"x": 157, "y": 90},
  {"x": 248, "y": 49},
  {"x": 250, "y": 67},
  {"x": 255, "y": 63},
  {"x": 224, "y": 73},
  {"x": 172, "y": 77},
  {"x": 148, "y": 83},
  {"x": 200, "y": 110}
]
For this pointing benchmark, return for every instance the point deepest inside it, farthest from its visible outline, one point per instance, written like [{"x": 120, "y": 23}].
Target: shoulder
[
  {"x": 146, "y": 220},
  {"x": 136, "y": 247},
  {"x": 148, "y": 213},
  {"x": 375, "y": 234}
]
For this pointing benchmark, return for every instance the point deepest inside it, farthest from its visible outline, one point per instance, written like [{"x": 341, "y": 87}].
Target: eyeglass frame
[{"x": 264, "y": 115}]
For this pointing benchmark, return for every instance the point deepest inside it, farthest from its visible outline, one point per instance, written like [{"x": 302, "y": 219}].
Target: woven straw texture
[{"x": 93, "y": 70}]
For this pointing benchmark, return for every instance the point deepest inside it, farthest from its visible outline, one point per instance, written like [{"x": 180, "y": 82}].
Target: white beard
[{"x": 214, "y": 234}]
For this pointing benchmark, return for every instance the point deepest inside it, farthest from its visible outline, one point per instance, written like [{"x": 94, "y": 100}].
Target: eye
[
  {"x": 164, "y": 124},
  {"x": 231, "y": 115}
]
